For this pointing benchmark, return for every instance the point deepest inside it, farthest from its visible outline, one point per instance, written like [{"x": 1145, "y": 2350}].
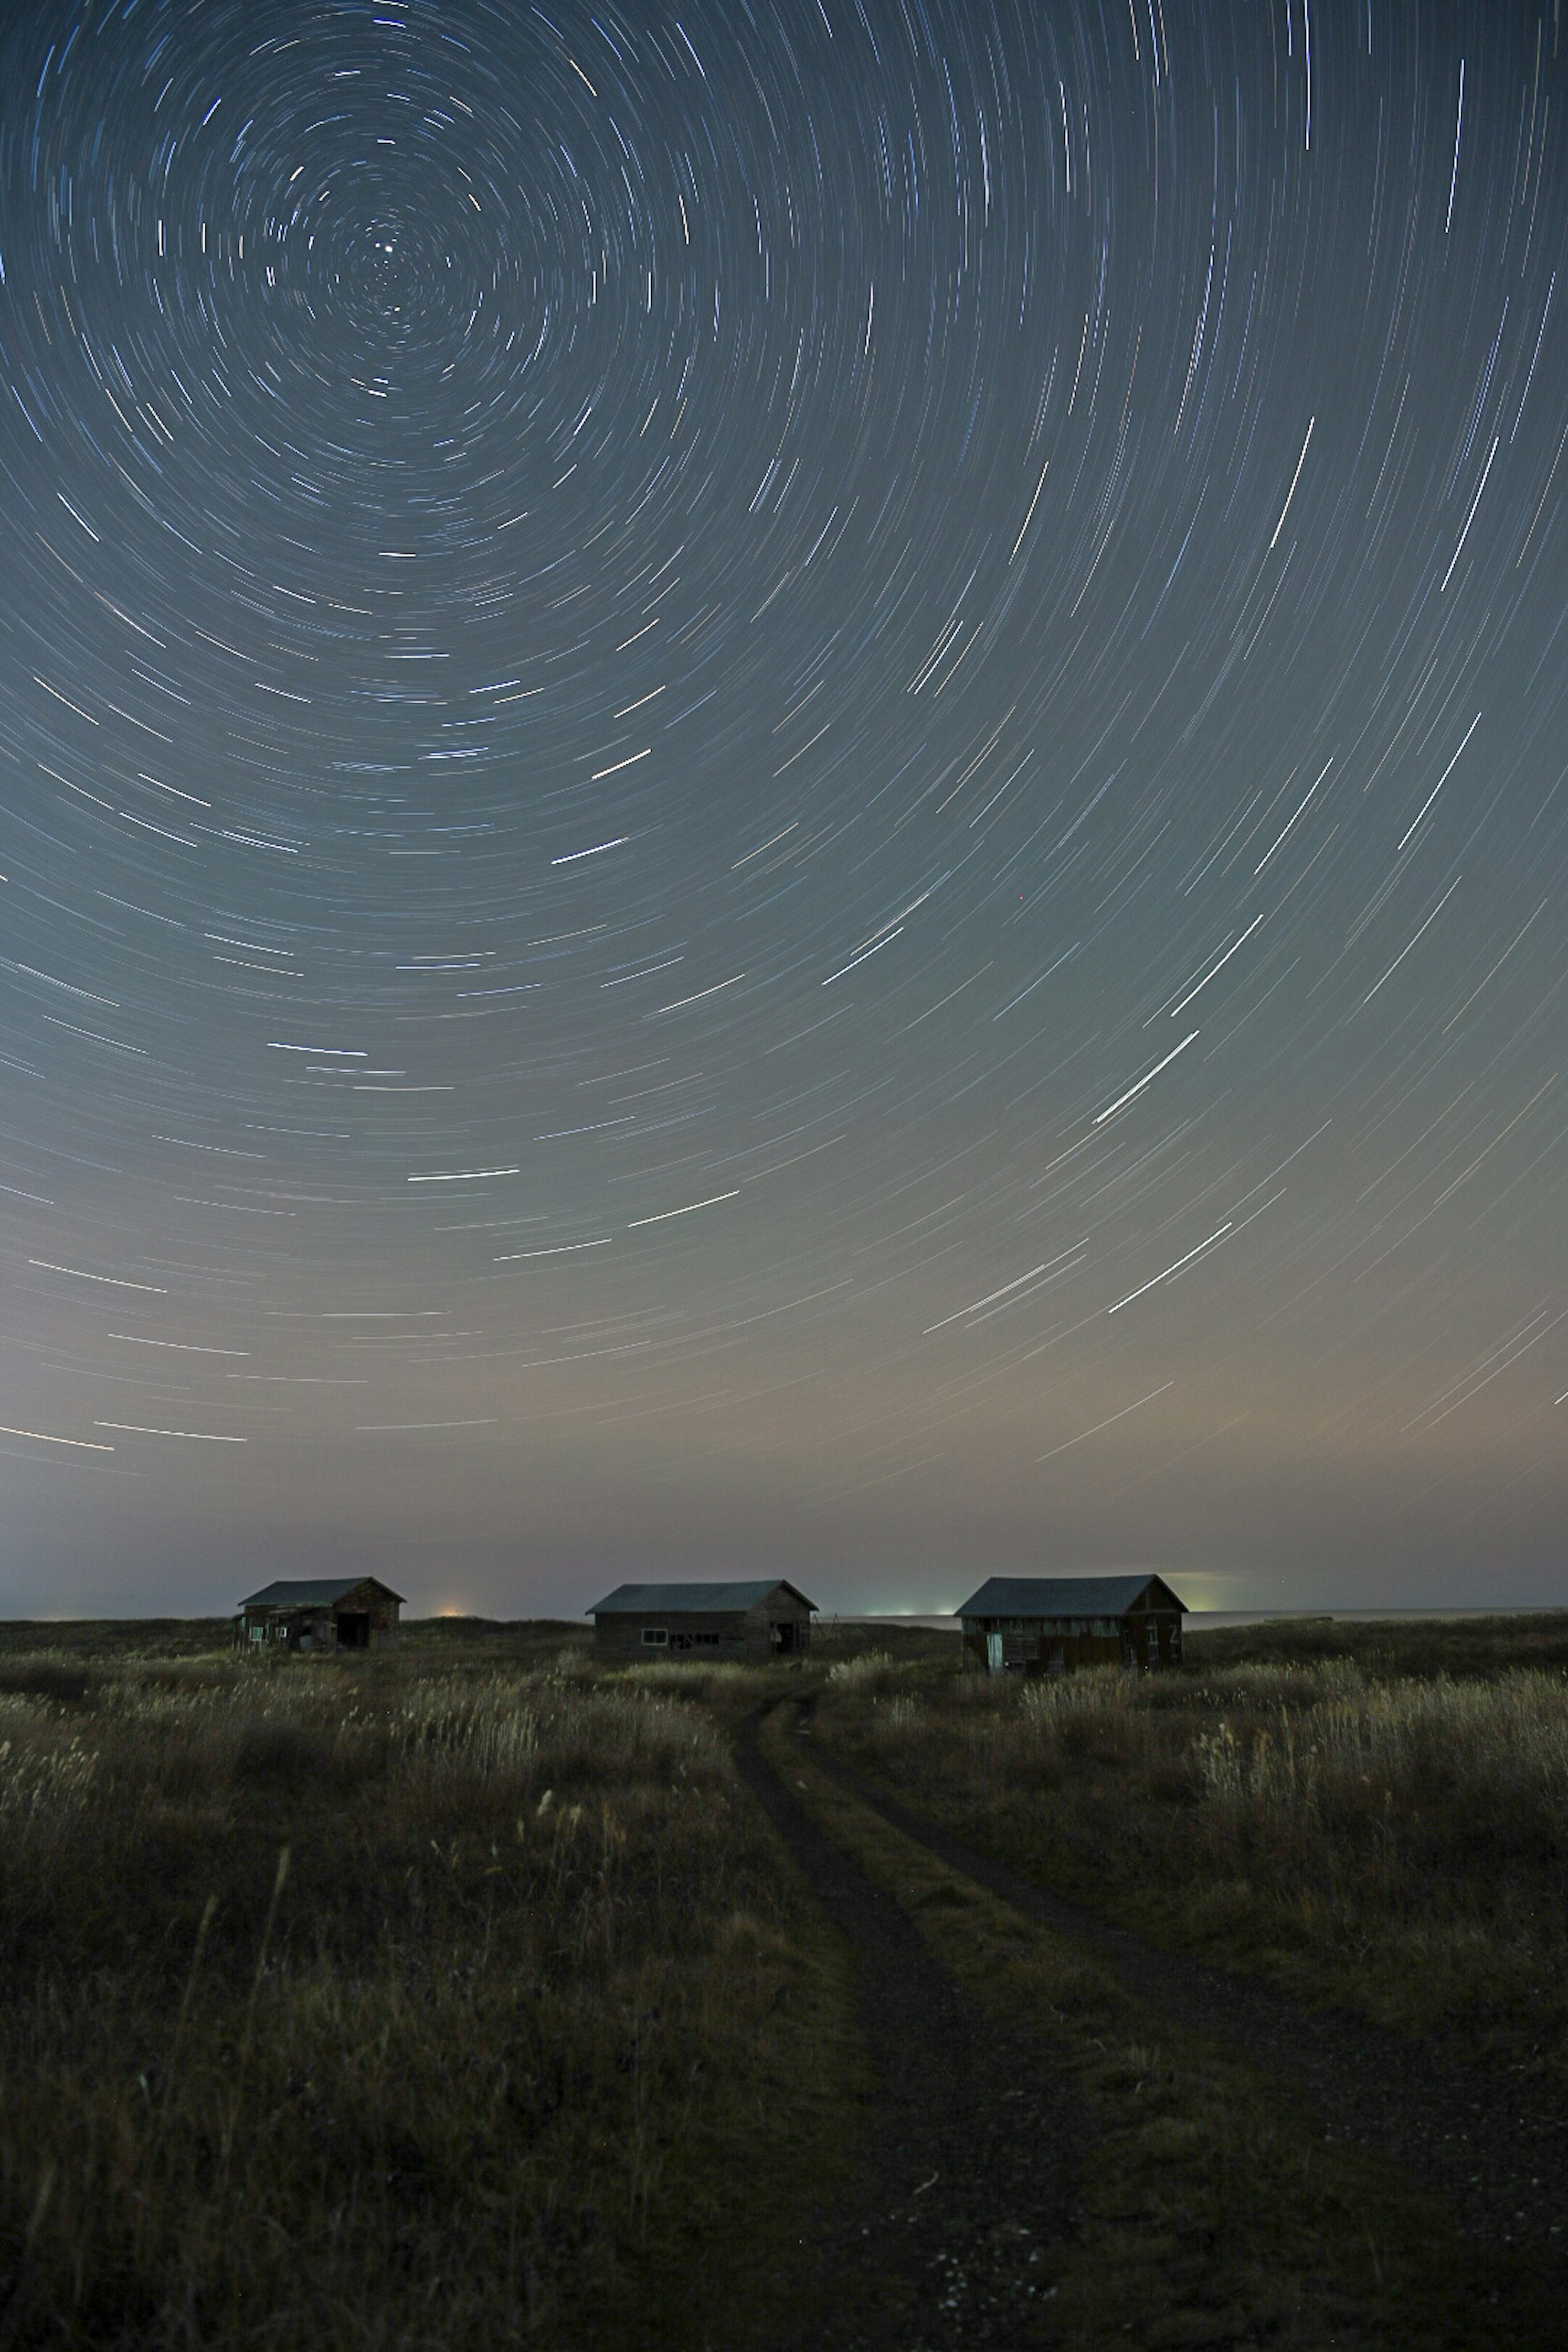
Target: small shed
[
  {"x": 750, "y": 1622},
  {"x": 1048, "y": 1625},
  {"x": 329, "y": 1612}
]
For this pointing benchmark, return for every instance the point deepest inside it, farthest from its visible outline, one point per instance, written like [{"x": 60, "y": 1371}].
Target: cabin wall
[
  {"x": 1145, "y": 1642},
  {"x": 1169, "y": 1633},
  {"x": 778, "y": 1628},
  {"x": 731, "y": 1634},
  {"x": 288, "y": 1629},
  {"x": 314, "y": 1630},
  {"x": 695, "y": 1633},
  {"x": 383, "y": 1611}
]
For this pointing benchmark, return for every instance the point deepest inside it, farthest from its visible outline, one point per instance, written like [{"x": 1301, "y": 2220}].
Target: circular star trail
[{"x": 781, "y": 786}]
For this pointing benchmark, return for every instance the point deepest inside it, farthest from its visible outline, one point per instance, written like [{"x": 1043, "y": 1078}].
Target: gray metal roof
[
  {"x": 685, "y": 1600},
  {"x": 1066, "y": 1596},
  {"x": 312, "y": 1592}
]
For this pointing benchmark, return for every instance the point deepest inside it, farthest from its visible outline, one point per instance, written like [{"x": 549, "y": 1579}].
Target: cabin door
[{"x": 993, "y": 1652}]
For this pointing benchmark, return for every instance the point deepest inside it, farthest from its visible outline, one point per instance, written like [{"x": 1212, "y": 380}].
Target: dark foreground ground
[
  {"x": 667, "y": 2008},
  {"x": 1435, "y": 2217},
  {"x": 970, "y": 2164},
  {"x": 1497, "y": 2147}
]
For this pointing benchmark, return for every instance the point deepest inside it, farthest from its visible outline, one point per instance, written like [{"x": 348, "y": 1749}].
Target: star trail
[{"x": 782, "y": 788}]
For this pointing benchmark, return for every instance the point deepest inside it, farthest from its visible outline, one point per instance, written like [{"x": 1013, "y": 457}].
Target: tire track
[
  {"x": 1495, "y": 2143},
  {"x": 970, "y": 2166}
]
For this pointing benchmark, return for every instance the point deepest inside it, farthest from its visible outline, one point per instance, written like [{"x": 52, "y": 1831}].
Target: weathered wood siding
[
  {"x": 383, "y": 1614},
  {"x": 735, "y": 1635},
  {"x": 1145, "y": 1639},
  {"x": 773, "y": 1620},
  {"x": 711, "y": 1633},
  {"x": 315, "y": 1627}
]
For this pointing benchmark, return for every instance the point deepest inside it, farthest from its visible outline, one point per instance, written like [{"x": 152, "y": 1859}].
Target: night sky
[{"x": 782, "y": 788}]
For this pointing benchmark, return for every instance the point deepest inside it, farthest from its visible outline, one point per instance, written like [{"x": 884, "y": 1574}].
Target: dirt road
[
  {"x": 973, "y": 2189},
  {"x": 1498, "y": 2147},
  {"x": 968, "y": 2172}
]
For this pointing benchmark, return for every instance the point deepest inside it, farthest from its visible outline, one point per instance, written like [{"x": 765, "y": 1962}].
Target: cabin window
[{"x": 655, "y": 1637}]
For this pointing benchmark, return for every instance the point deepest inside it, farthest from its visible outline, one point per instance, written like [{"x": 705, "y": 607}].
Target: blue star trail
[{"x": 782, "y": 787}]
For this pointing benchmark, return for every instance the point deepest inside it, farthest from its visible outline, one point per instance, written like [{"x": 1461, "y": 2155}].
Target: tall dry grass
[
  {"x": 363, "y": 2009},
  {"x": 1402, "y": 1843},
  {"x": 867, "y": 1675}
]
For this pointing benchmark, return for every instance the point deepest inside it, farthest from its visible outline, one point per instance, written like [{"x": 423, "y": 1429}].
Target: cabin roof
[
  {"x": 692, "y": 1600},
  {"x": 1068, "y": 1596},
  {"x": 313, "y": 1591}
]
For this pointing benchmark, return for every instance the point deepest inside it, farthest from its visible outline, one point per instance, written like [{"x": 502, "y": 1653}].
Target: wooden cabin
[
  {"x": 332, "y": 1612},
  {"x": 1049, "y": 1625},
  {"x": 748, "y": 1623}
]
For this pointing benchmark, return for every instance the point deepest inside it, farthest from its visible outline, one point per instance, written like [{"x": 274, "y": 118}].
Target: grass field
[
  {"x": 1211, "y": 2209},
  {"x": 447, "y": 2001},
  {"x": 459, "y": 1996},
  {"x": 1375, "y": 1814}
]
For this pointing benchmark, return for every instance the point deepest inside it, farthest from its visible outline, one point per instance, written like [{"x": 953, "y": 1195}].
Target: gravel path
[
  {"x": 1496, "y": 2143},
  {"x": 969, "y": 2172}
]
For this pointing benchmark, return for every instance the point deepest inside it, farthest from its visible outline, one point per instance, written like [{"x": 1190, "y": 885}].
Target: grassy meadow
[
  {"x": 460, "y": 1996},
  {"x": 437, "y": 2000},
  {"x": 1210, "y": 2207},
  {"x": 1374, "y": 1814}
]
